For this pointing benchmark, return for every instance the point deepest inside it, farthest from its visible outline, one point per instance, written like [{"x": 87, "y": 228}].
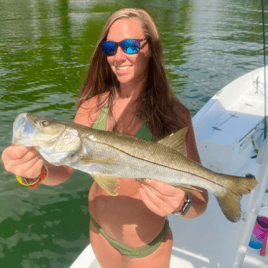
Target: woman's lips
[{"x": 122, "y": 69}]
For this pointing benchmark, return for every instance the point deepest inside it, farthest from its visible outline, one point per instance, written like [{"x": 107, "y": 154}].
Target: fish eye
[{"x": 44, "y": 123}]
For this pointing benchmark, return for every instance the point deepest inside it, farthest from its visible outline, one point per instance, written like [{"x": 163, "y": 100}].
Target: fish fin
[
  {"x": 176, "y": 141},
  {"x": 230, "y": 200},
  {"x": 107, "y": 182},
  {"x": 188, "y": 187},
  {"x": 230, "y": 205},
  {"x": 88, "y": 159}
]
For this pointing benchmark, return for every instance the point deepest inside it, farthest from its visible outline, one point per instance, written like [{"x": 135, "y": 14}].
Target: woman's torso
[{"x": 125, "y": 217}]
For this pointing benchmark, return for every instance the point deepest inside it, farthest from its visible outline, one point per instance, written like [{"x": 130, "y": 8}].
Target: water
[{"x": 44, "y": 50}]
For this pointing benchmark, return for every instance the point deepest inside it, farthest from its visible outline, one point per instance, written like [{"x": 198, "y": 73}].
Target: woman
[{"x": 126, "y": 90}]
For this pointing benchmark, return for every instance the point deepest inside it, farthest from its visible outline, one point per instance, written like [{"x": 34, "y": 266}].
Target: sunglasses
[{"x": 129, "y": 46}]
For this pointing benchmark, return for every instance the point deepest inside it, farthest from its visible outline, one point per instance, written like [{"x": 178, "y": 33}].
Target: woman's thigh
[{"x": 107, "y": 255}]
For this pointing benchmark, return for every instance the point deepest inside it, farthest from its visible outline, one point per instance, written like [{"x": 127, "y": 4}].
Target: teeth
[{"x": 122, "y": 68}]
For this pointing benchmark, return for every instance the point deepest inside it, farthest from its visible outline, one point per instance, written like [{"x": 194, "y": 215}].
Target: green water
[{"x": 44, "y": 50}]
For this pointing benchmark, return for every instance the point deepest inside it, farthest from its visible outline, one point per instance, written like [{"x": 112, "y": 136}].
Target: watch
[{"x": 185, "y": 208}]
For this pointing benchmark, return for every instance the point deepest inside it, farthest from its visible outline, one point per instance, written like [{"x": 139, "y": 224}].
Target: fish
[{"x": 106, "y": 156}]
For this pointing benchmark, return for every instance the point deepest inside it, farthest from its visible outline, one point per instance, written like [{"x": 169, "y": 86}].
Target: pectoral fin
[
  {"x": 176, "y": 141},
  {"x": 107, "y": 182},
  {"x": 88, "y": 159}
]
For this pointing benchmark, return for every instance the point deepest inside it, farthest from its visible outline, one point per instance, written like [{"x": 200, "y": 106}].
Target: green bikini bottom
[{"x": 136, "y": 252}]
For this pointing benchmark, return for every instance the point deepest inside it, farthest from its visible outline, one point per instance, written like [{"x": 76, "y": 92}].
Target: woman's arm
[
  {"x": 164, "y": 199},
  {"x": 199, "y": 199}
]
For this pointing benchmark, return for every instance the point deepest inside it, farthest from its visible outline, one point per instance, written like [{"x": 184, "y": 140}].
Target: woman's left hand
[{"x": 162, "y": 198}]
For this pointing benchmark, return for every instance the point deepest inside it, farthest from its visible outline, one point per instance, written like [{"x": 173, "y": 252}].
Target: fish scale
[{"x": 154, "y": 153}]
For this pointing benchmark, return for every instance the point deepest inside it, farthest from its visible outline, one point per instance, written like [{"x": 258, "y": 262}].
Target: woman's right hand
[{"x": 23, "y": 161}]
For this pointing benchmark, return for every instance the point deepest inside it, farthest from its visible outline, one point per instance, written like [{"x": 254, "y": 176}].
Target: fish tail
[{"x": 229, "y": 200}]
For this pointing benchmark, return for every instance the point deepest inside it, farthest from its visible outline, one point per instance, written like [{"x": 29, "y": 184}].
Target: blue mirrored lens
[
  {"x": 109, "y": 48},
  {"x": 130, "y": 46}
]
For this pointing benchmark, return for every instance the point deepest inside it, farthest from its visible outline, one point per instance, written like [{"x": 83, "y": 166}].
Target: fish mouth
[
  {"x": 19, "y": 121},
  {"x": 21, "y": 126}
]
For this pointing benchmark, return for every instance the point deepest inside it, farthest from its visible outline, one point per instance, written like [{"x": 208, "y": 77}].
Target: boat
[{"x": 227, "y": 131}]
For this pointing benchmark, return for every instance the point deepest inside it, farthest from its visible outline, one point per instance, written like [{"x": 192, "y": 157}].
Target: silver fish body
[{"x": 108, "y": 155}]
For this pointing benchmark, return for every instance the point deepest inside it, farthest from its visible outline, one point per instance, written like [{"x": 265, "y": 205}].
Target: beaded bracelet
[{"x": 35, "y": 184}]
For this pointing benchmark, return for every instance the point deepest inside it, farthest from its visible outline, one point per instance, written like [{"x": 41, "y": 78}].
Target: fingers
[
  {"x": 30, "y": 169},
  {"x": 153, "y": 202},
  {"x": 161, "y": 198},
  {"x": 161, "y": 188},
  {"x": 146, "y": 198},
  {"x": 22, "y": 161}
]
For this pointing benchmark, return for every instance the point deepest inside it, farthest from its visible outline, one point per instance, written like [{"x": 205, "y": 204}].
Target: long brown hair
[{"x": 158, "y": 104}]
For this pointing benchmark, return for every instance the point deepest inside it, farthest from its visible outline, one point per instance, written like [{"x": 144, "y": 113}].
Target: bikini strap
[{"x": 100, "y": 123}]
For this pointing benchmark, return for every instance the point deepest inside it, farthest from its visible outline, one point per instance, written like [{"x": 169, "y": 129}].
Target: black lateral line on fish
[{"x": 166, "y": 166}]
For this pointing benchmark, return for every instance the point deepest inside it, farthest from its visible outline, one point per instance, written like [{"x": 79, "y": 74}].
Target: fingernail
[
  {"x": 139, "y": 190},
  {"x": 147, "y": 180},
  {"x": 19, "y": 146}
]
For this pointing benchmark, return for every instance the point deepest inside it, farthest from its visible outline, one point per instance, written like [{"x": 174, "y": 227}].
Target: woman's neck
[{"x": 131, "y": 91}]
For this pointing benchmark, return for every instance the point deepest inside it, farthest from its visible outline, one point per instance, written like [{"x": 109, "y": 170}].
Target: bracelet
[{"x": 35, "y": 184}]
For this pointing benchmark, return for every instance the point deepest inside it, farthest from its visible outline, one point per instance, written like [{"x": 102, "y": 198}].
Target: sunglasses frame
[{"x": 120, "y": 44}]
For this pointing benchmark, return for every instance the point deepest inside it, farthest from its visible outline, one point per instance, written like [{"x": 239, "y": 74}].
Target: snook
[{"x": 108, "y": 155}]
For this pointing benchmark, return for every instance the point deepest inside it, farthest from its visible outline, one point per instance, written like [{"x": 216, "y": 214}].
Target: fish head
[{"x": 56, "y": 141}]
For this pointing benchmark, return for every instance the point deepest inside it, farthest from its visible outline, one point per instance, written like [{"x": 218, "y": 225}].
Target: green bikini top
[{"x": 100, "y": 124}]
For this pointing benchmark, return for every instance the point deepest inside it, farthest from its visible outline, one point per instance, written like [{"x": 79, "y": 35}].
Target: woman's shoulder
[
  {"x": 182, "y": 111},
  {"x": 185, "y": 114},
  {"x": 89, "y": 110},
  {"x": 95, "y": 101}
]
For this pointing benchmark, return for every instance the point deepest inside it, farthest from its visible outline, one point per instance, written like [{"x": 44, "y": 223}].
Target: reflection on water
[{"x": 44, "y": 50}]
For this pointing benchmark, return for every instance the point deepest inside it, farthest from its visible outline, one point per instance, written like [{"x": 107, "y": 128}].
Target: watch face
[{"x": 187, "y": 205}]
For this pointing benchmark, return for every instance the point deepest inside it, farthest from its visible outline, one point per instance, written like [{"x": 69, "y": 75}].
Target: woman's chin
[{"x": 124, "y": 79}]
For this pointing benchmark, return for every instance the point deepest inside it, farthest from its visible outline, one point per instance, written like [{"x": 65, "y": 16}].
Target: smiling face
[{"x": 128, "y": 68}]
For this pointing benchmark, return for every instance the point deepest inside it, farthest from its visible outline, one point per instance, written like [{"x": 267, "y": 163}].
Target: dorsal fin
[{"x": 176, "y": 141}]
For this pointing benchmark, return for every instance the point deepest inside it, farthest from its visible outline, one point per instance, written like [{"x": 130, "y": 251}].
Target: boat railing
[{"x": 253, "y": 208}]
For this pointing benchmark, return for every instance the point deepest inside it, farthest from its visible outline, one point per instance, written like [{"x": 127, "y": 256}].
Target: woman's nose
[{"x": 120, "y": 54}]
